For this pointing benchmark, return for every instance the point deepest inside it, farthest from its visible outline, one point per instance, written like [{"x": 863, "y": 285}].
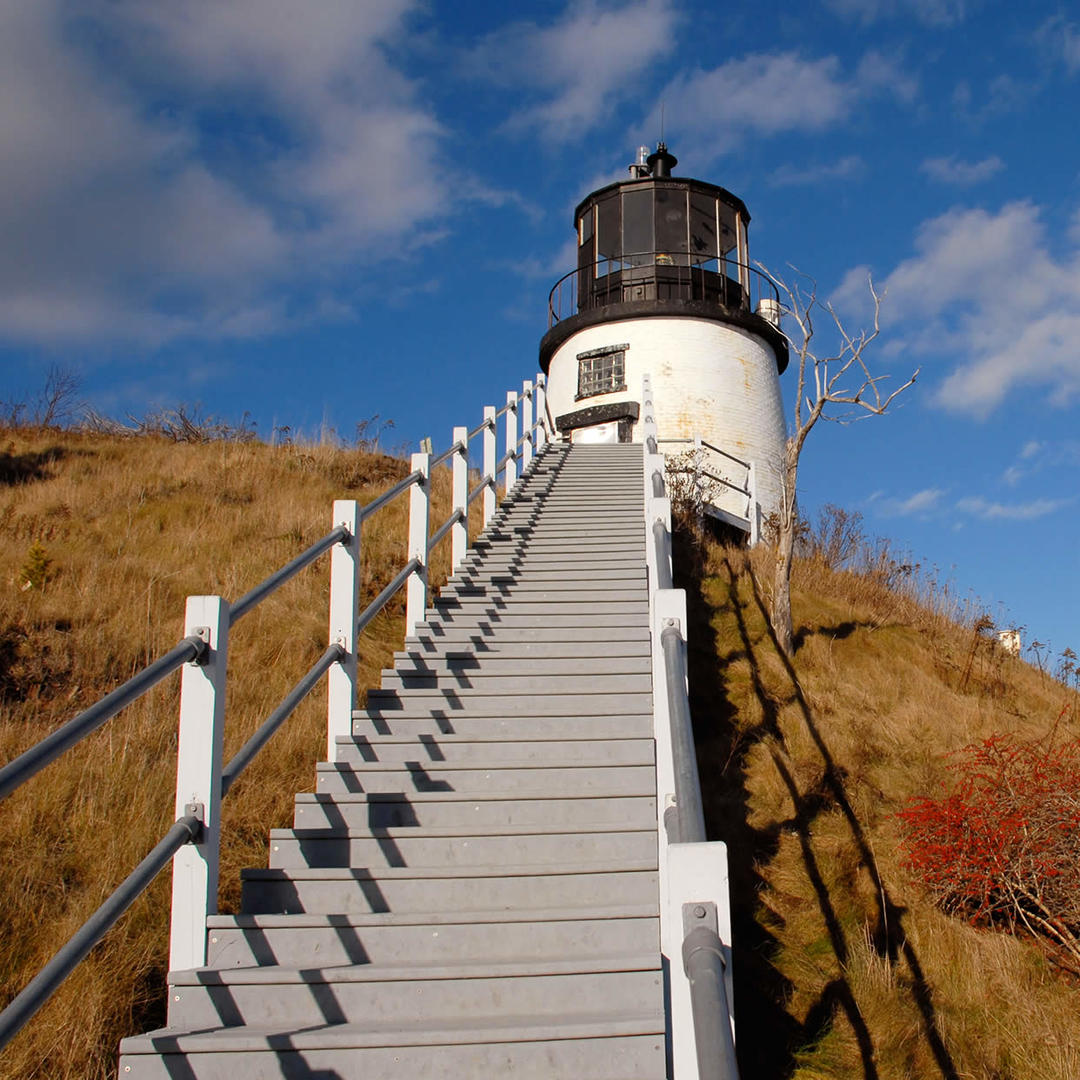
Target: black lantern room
[{"x": 664, "y": 245}]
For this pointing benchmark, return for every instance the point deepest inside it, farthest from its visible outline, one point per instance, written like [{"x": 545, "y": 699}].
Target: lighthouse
[{"x": 664, "y": 287}]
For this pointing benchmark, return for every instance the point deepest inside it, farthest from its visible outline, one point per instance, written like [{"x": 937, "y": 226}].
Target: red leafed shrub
[{"x": 1003, "y": 848}]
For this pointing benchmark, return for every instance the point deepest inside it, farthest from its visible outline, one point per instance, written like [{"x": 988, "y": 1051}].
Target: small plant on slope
[{"x": 1003, "y": 848}]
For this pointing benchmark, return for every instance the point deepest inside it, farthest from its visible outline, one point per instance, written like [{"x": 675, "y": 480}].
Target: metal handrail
[
  {"x": 40, "y": 988},
  {"x": 32, "y": 761},
  {"x": 690, "y": 815},
  {"x": 663, "y": 555},
  {"x": 713, "y": 476},
  {"x": 607, "y": 284},
  {"x": 459, "y": 446},
  {"x": 485, "y": 482},
  {"x": 244, "y": 756},
  {"x": 415, "y": 477},
  {"x": 724, "y": 453},
  {"x": 703, "y": 961},
  {"x": 380, "y": 601},
  {"x": 278, "y": 578},
  {"x": 194, "y": 648},
  {"x": 505, "y": 458},
  {"x": 445, "y": 527}
]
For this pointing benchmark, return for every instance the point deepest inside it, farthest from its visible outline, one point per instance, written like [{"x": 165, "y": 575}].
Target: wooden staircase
[{"x": 472, "y": 889}]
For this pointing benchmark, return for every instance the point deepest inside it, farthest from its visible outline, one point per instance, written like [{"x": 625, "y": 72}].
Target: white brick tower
[{"x": 664, "y": 287}]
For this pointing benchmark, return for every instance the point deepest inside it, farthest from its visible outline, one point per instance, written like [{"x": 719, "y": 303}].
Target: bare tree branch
[{"x": 823, "y": 383}]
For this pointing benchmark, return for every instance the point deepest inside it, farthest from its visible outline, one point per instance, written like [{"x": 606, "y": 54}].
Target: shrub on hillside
[{"x": 1003, "y": 847}]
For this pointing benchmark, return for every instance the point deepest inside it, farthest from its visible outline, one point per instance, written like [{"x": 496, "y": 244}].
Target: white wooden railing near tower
[{"x": 694, "y": 916}]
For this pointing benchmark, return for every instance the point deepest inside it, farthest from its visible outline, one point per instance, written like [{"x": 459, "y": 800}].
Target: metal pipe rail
[
  {"x": 246, "y": 754},
  {"x": 381, "y": 600},
  {"x": 693, "y": 870},
  {"x": 690, "y": 816},
  {"x": 724, "y": 453},
  {"x": 202, "y": 698},
  {"x": 42, "y": 986},
  {"x": 256, "y": 596},
  {"x": 445, "y": 527},
  {"x": 32, "y": 761}
]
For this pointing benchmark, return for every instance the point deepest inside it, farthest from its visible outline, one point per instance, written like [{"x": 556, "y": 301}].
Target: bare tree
[
  {"x": 825, "y": 384},
  {"x": 58, "y": 399}
]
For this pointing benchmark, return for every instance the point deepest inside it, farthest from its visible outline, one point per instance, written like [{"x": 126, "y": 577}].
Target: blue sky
[{"x": 317, "y": 212}]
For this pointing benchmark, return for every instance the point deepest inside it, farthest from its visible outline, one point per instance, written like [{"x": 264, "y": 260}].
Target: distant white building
[
  {"x": 664, "y": 287},
  {"x": 1010, "y": 641}
]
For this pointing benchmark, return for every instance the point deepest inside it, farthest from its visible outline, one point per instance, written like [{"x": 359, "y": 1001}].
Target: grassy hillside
[
  {"x": 843, "y": 968},
  {"x": 114, "y": 534}
]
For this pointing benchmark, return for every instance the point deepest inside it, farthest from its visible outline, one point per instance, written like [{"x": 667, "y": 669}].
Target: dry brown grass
[
  {"x": 843, "y": 968},
  {"x": 128, "y": 528}
]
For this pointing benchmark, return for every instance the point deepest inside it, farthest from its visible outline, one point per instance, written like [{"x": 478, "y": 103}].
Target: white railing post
[
  {"x": 510, "y": 476},
  {"x": 419, "y": 513},
  {"x": 489, "y": 463},
  {"x": 526, "y": 424},
  {"x": 541, "y": 411},
  {"x": 459, "y": 533},
  {"x": 344, "y": 600},
  {"x": 198, "y": 781}
]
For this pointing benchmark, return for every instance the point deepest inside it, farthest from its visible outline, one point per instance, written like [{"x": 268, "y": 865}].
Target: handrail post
[
  {"x": 459, "y": 532},
  {"x": 490, "y": 438},
  {"x": 541, "y": 412},
  {"x": 198, "y": 781},
  {"x": 510, "y": 476},
  {"x": 753, "y": 511},
  {"x": 344, "y": 599},
  {"x": 526, "y": 424},
  {"x": 416, "y": 594}
]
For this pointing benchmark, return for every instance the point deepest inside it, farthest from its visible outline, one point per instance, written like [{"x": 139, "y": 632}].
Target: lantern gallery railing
[
  {"x": 695, "y": 918},
  {"x": 202, "y": 780},
  {"x": 661, "y": 275}
]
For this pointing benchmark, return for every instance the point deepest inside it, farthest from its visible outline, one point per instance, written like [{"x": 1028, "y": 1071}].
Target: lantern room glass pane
[
  {"x": 703, "y": 242},
  {"x": 637, "y": 238},
  {"x": 728, "y": 234},
  {"x": 671, "y": 229},
  {"x": 608, "y": 234}
]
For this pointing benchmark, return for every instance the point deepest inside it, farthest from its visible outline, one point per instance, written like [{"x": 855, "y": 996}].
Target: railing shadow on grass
[
  {"x": 888, "y": 936},
  {"x": 766, "y": 1034}
]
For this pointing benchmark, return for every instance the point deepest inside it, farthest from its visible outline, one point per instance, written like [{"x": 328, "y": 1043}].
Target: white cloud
[
  {"x": 581, "y": 65},
  {"x": 988, "y": 510},
  {"x": 929, "y": 12},
  {"x": 167, "y": 168},
  {"x": 1061, "y": 39},
  {"x": 921, "y": 502},
  {"x": 772, "y": 93},
  {"x": 951, "y": 170},
  {"x": 984, "y": 290},
  {"x": 795, "y": 176}
]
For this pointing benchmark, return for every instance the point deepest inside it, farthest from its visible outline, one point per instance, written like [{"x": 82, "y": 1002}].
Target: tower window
[{"x": 601, "y": 371}]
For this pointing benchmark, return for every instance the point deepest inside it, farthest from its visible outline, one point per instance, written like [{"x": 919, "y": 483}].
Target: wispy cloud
[
  {"x": 921, "y": 502},
  {"x": 1060, "y": 39},
  {"x": 769, "y": 94},
  {"x": 987, "y": 510},
  {"x": 576, "y": 68},
  {"x": 951, "y": 170},
  {"x": 846, "y": 168},
  {"x": 928, "y": 12},
  {"x": 948, "y": 300},
  {"x": 129, "y": 223}
]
